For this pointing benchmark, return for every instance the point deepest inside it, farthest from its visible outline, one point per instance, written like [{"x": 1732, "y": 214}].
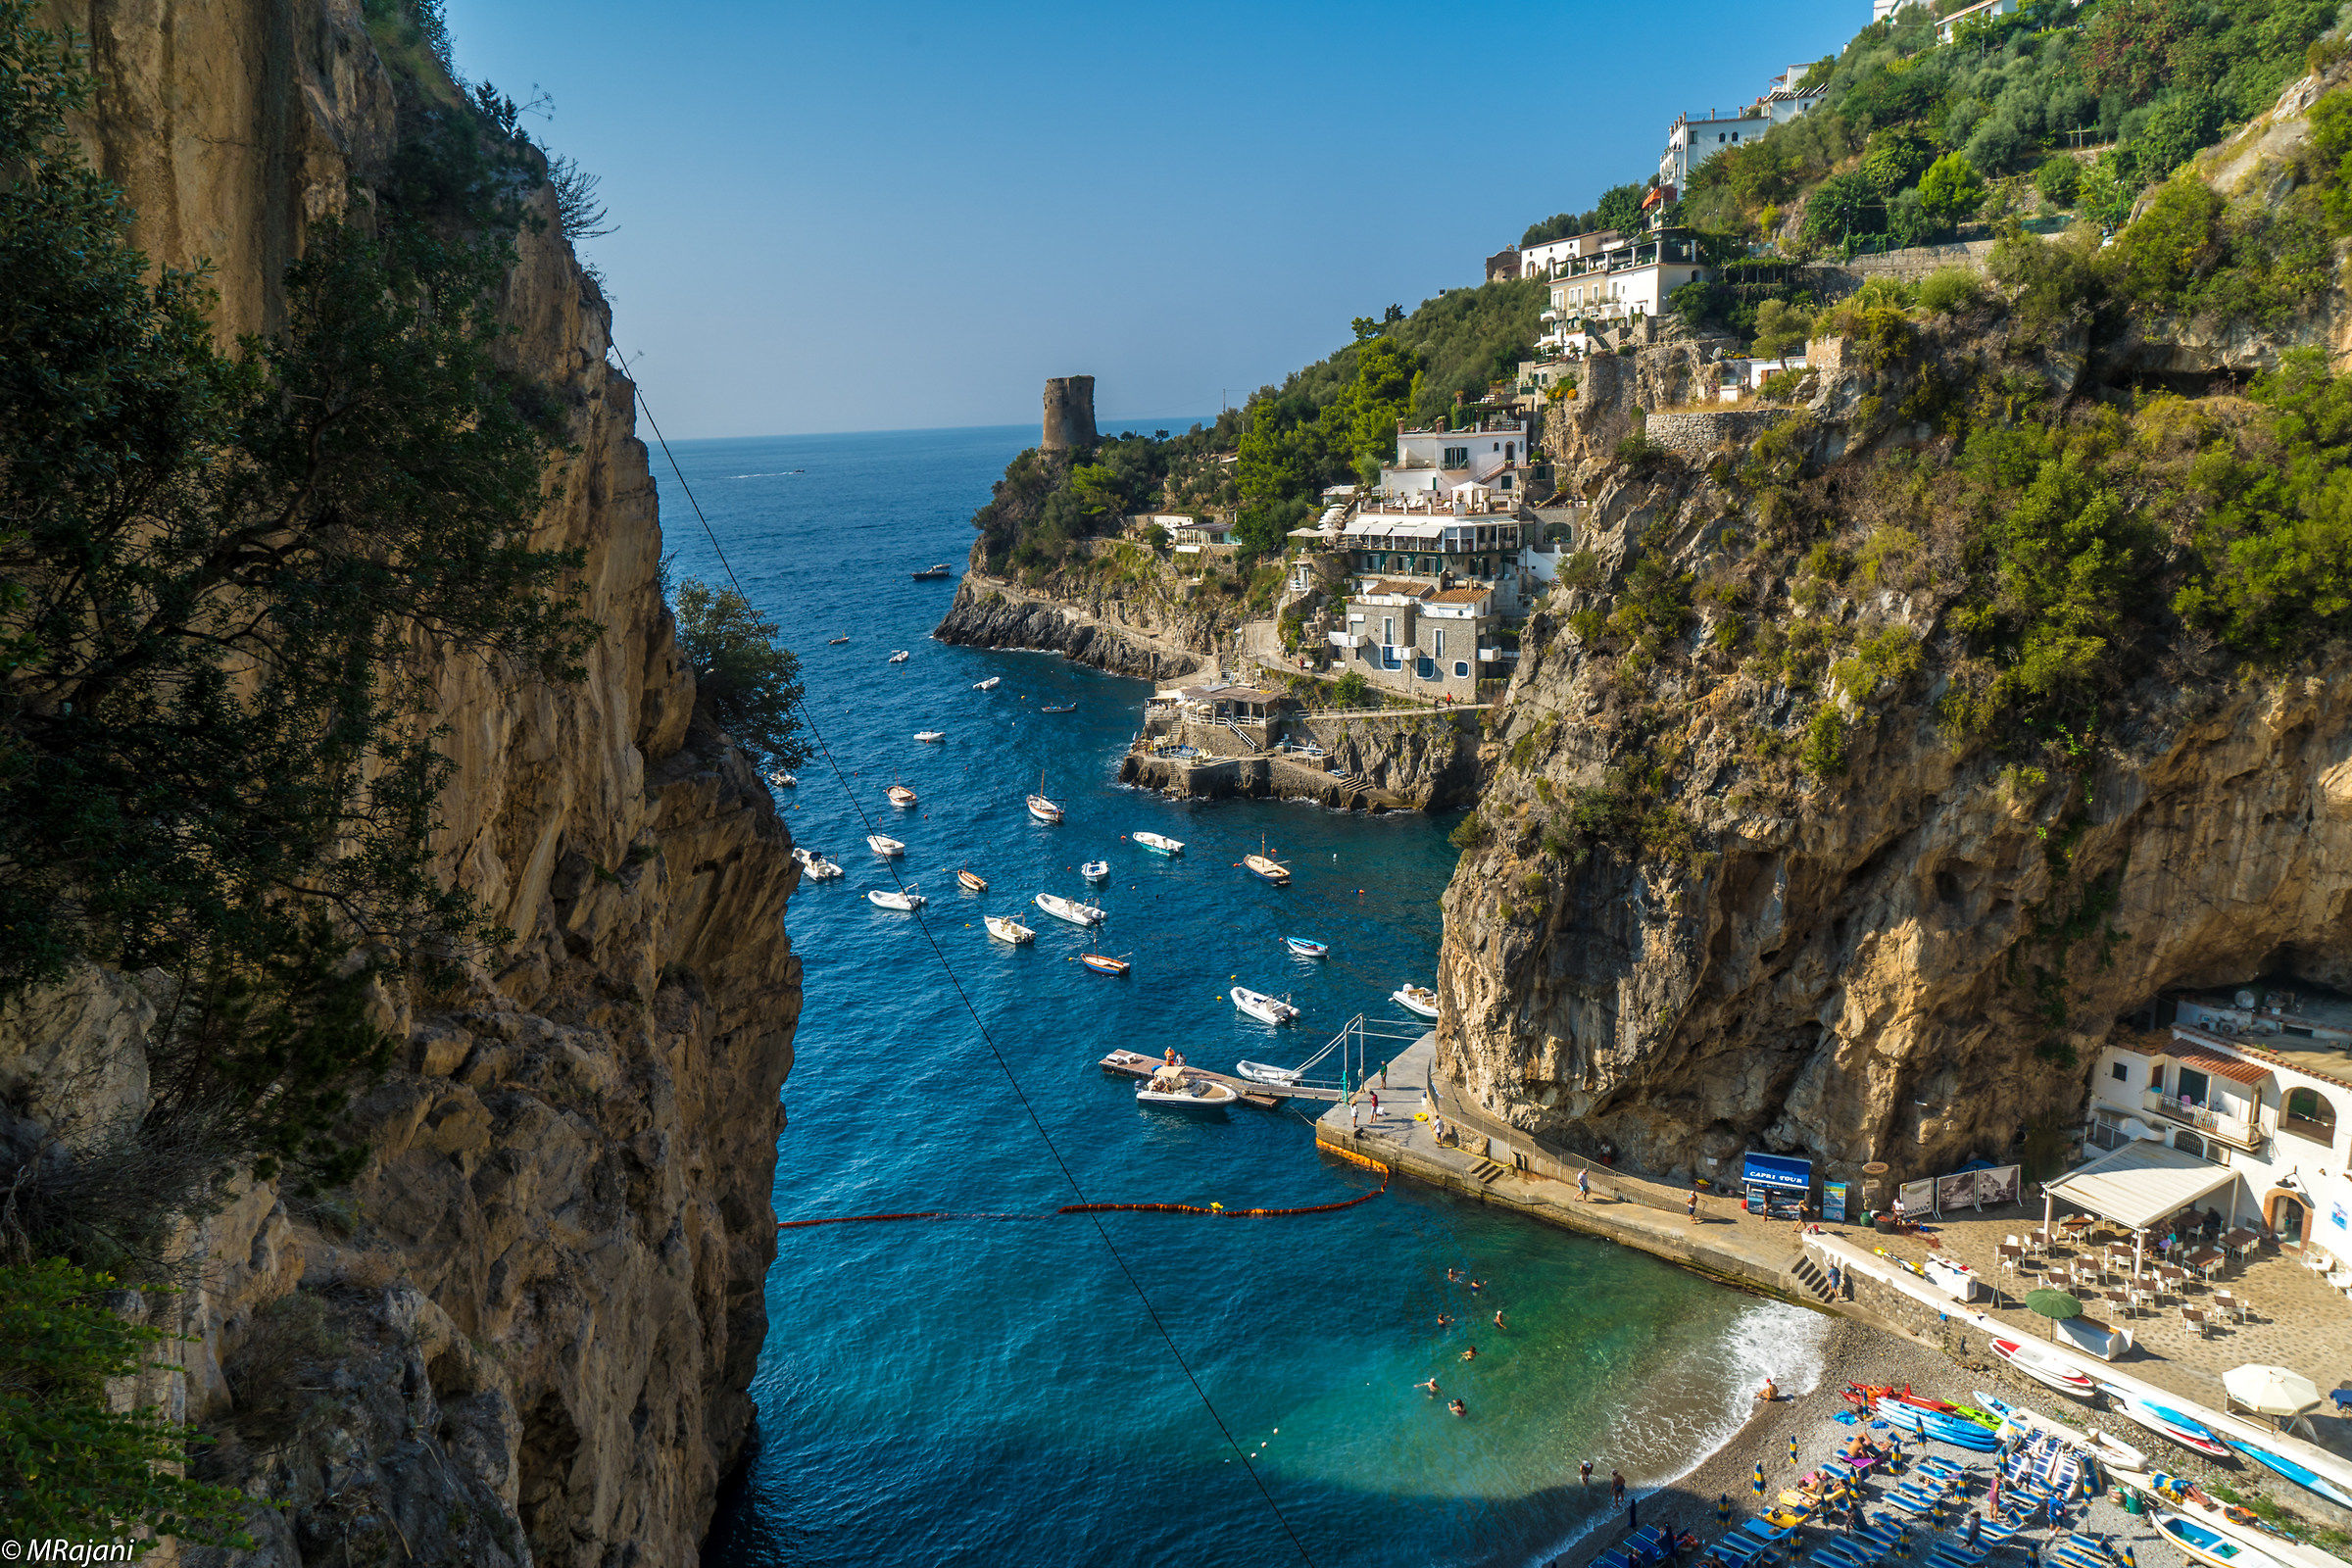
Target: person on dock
[
  {"x": 1692, "y": 1207},
  {"x": 1837, "y": 1280},
  {"x": 1584, "y": 1185},
  {"x": 1375, "y": 1094},
  {"x": 1355, "y": 1116}
]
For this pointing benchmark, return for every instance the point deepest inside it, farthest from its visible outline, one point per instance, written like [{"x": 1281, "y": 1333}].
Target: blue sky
[{"x": 867, "y": 218}]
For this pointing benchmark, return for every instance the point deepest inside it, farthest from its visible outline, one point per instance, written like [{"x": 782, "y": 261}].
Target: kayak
[
  {"x": 2301, "y": 1475},
  {"x": 2164, "y": 1421}
]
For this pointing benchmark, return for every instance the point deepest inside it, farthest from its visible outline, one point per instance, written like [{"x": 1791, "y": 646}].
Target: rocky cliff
[
  {"x": 525, "y": 1335},
  {"x": 1119, "y": 627},
  {"x": 1741, "y": 880}
]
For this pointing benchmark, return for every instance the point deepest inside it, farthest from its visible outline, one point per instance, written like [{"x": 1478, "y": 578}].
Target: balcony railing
[{"x": 2231, "y": 1130}]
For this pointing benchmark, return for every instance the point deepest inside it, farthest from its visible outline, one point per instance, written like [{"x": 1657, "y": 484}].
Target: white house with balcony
[
  {"x": 2257, "y": 1086},
  {"x": 1553, "y": 255},
  {"x": 1440, "y": 462},
  {"x": 1623, "y": 279},
  {"x": 1694, "y": 139},
  {"x": 1418, "y": 638}
]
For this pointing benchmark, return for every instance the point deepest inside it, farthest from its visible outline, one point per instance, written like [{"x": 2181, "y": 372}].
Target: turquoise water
[{"x": 992, "y": 1391}]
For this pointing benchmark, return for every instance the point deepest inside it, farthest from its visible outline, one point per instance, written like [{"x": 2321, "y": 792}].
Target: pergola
[{"x": 2136, "y": 1186}]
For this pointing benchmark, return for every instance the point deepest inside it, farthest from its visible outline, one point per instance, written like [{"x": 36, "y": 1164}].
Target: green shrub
[
  {"x": 2177, "y": 238},
  {"x": 1950, "y": 190},
  {"x": 1468, "y": 834},
  {"x": 1950, "y": 290},
  {"x": 2059, "y": 179},
  {"x": 1351, "y": 690},
  {"x": 750, "y": 680},
  {"x": 1581, "y": 570},
  {"x": 1824, "y": 752}
]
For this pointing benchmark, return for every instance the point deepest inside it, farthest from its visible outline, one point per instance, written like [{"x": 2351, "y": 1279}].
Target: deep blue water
[{"x": 992, "y": 1391}]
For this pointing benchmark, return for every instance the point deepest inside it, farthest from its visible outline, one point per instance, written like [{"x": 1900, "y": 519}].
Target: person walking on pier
[
  {"x": 1692, "y": 1207},
  {"x": 1584, "y": 1185}
]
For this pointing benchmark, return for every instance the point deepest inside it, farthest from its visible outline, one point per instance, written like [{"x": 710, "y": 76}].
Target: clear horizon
[{"x": 835, "y": 221}]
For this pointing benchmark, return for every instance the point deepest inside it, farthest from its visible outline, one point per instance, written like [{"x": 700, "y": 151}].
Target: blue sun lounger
[
  {"x": 1844, "y": 1553},
  {"x": 1648, "y": 1544},
  {"x": 1736, "y": 1551},
  {"x": 1613, "y": 1558}
]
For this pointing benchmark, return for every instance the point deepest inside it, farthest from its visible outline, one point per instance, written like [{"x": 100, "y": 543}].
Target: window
[
  {"x": 1507, "y": 448},
  {"x": 1424, "y": 668},
  {"x": 1457, "y": 456},
  {"x": 1436, "y": 642},
  {"x": 2120, "y": 1073},
  {"x": 2189, "y": 1143},
  {"x": 1461, "y": 669},
  {"x": 2194, "y": 1086},
  {"x": 1388, "y": 631},
  {"x": 2307, "y": 1112}
]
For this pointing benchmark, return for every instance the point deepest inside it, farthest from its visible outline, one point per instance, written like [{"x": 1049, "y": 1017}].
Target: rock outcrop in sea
[{"x": 525, "y": 1334}]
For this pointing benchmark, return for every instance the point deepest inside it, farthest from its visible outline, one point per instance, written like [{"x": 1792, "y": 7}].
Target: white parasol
[{"x": 2271, "y": 1390}]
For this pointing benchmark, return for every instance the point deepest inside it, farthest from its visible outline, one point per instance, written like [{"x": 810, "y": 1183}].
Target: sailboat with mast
[
  {"x": 1044, "y": 809},
  {"x": 1263, "y": 864}
]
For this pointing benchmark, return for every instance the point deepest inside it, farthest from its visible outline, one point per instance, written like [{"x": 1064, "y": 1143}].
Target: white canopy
[
  {"x": 2140, "y": 1184},
  {"x": 2271, "y": 1390}
]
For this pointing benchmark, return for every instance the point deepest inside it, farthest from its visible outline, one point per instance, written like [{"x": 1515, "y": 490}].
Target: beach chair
[
  {"x": 1844, "y": 1553},
  {"x": 1995, "y": 1534},
  {"x": 1648, "y": 1544},
  {"x": 1734, "y": 1550},
  {"x": 1951, "y": 1554},
  {"x": 1887, "y": 1535},
  {"x": 1614, "y": 1559},
  {"x": 1944, "y": 1468},
  {"x": 1766, "y": 1535},
  {"x": 2073, "y": 1556}
]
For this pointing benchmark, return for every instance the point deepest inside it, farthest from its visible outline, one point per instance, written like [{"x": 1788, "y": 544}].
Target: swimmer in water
[
  {"x": 1476, "y": 1286},
  {"x": 1498, "y": 1319},
  {"x": 1444, "y": 1320},
  {"x": 1470, "y": 1353},
  {"x": 1458, "y": 1408},
  {"x": 1431, "y": 1386},
  {"x": 1454, "y": 1275}
]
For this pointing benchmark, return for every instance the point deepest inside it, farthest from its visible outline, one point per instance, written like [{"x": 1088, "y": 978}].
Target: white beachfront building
[{"x": 2254, "y": 1088}]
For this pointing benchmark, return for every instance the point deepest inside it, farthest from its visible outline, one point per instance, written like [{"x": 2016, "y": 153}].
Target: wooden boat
[
  {"x": 2205, "y": 1544},
  {"x": 905, "y": 902},
  {"x": 835, "y": 642},
  {"x": 2302, "y": 1475},
  {"x": 1267, "y": 1009},
  {"x": 884, "y": 845},
  {"x": 1263, "y": 864},
  {"x": 1307, "y": 948},
  {"x": 1062, "y": 708},
  {"x": 1158, "y": 843},
  {"x": 901, "y": 796},
  {"x": 1070, "y": 910},
  {"x": 899, "y": 658},
  {"x": 2164, "y": 1421},
  {"x": 1004, "y": 928},
  {"x": 783, "y": 780},
  {"x": 1042, "y": 809},
  {"x": 971, "y": 881},
  {"x": 931, "y": 574},
  {"x": 1169, "y": 1089},
  {"x": 1416, "y": 998},
  {"x": 814, "y": 866},
  {"x": 988, "y": 685},
  {"x": 930, "y": 737},
  {"x": 1103, "y": 964},
  {"x": 2043, "y": 1368},
  {"x": 1095, "y": 870}
]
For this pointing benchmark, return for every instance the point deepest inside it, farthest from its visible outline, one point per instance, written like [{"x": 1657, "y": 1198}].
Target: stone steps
[
  {"x": 1811, "y": 1277},
  {"x": 1484, "y": 1172}
]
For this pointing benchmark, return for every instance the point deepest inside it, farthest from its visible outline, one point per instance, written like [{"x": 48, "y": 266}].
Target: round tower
[{"x": 1069, "y": 413}]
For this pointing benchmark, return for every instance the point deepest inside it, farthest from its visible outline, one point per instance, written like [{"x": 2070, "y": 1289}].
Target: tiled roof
[
  {"x": 2204, "y": 1058},
  {"x": 1460, "y": 595}
]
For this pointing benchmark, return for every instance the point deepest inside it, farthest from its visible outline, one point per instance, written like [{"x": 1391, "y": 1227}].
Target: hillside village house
[
  {"x": 1623, "y": 279},
  {"x": 1551, "y": 258},
  {"x": 1693, "y": 140},
  {"x": 1419, "y": 638},
  {"x": 2240, "y": 1102},
  {"x": 1440, "y": 463}
]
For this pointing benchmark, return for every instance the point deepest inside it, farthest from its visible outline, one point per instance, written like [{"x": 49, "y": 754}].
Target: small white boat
[
  {"x": 1263, "y": 864},
  {"x": 1105, "y": 963},
  {"x": 1308, "y": 947},
  {"x": 783, "y": 780},
  {"x": 1065, "y": 707},
  {"x": 1158, "y": 843},
  {"x": 900, "y": 657},
  {"x": 930, "y": 737},
  {"x": 1260, "y": 1072},
  {"x": 905, "y": 902},
  {"x": 2202, "y": 1543},
  {"x": 1416, "y": 998},
  {"x": 1004, "y": 928},
  {"x": 1169, "y": 1089},
  {"x": 1095, "y": 870},
  {"x": 901, "y": 796},
  {"x": 884, "y": 846},
  {"x": 835, "y": 642},
  {"x": 971, "y": 881},
  {"x": 814, "y": 866},
  {"x": 931, "y": 574},
  {"x": 1267, "y": 1010},
  {"x": 1042, "y": 809},
  {"x": 2043, "y": 1369},
  {"x": 1070, "y": 910},
  {"x": 988, "y": 685}
]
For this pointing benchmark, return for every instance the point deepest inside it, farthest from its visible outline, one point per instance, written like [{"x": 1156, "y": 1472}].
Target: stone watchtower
[{"x": 1069, "y": 413}]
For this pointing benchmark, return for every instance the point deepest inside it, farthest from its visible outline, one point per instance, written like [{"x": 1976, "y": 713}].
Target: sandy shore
[{"x": 1853, "y": 1352}]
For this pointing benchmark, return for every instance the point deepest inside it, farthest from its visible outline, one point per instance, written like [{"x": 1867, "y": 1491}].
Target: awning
[
  {"x": 2140, "y": 1184},
  {"x": 1777, "y": 1170}
]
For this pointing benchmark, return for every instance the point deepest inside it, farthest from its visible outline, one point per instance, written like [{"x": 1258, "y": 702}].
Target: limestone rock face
[
  {"x": 524, "y": 1336},
  {"x": 1142, "y": 636}
]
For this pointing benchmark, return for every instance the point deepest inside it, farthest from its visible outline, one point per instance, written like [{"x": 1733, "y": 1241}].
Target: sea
[{"x": 1015, "y": 1385}]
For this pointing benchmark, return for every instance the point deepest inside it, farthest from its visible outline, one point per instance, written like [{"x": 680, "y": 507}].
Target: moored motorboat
[
  {"x": 814, "y": 866},
  {"x": 783, "y": 780},
  {"x": 1261, "y": 1072},
  {"x": 901, "y": 796},
  {"x": 2043, "y": 1368},
  {"x": 1069, "y": 910},
  {"x": 884, "y": 845},
  {"x": 2202, "y": 1543},
  {"x": 905, "y": 902},
  {"x": 1004, "y": 928},
  {"x": 1416, "y": 998},
  {"x": 1170, "y": 1088},
  {"x": 2164, "y": 1421},
  {"x": 1104, "y": 964},
  {"x": 1267, "y": 1009},
  {"x": 1306, "y": 947},
  {"x": 1062, "y": 708},
  {"x": 1095, "y": 870},
  {"x": 931, "y": 574},
  {"x": 835, "y": 642},
  {"x": 1158, "y": 843},
  {"x": 988, "y": 685},
  {"x": 929, "y": 737},
  {"x": 900, "y": 657},
  {"x": 971, "y": 881}
]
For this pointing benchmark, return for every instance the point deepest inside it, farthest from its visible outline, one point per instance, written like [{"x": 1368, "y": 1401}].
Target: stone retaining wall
[{"x": 1695, "y": 435}]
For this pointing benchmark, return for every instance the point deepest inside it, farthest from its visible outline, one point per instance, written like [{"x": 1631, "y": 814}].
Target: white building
[
  {"x": 1627, "y": 278},
  {"x": 1445, "y": 464},
  {"x": 1693, "y": 140},
  {"x": 1782, "y": 102},
  {"x": 1981, "y": 11},
  {"x": 2258, "y": 1089},
  {"x": 1551, "y": 258}
]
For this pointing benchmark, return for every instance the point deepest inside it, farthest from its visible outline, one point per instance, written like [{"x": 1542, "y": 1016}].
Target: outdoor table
[
  {"x": 2206, "y": 1262},
  {"x": 2076, "y": 1222},
  {"x": 2242, "y": 1241}
]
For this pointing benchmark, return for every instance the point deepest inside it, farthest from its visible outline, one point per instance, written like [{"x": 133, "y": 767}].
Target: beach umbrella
[
  {"x": 2271, "y": 1390},
  {"x": 2122, "y": 1556},
  {"x": 1791, "y": 1454},
  {"x": 1723, "y": 1507},
  {"x": 1757, "y": 1484},
  {"x": 2056, "y": 1306}
]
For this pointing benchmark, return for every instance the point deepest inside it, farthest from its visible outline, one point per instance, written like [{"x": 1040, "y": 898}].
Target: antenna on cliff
[{"x": 923, "y": 926}]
